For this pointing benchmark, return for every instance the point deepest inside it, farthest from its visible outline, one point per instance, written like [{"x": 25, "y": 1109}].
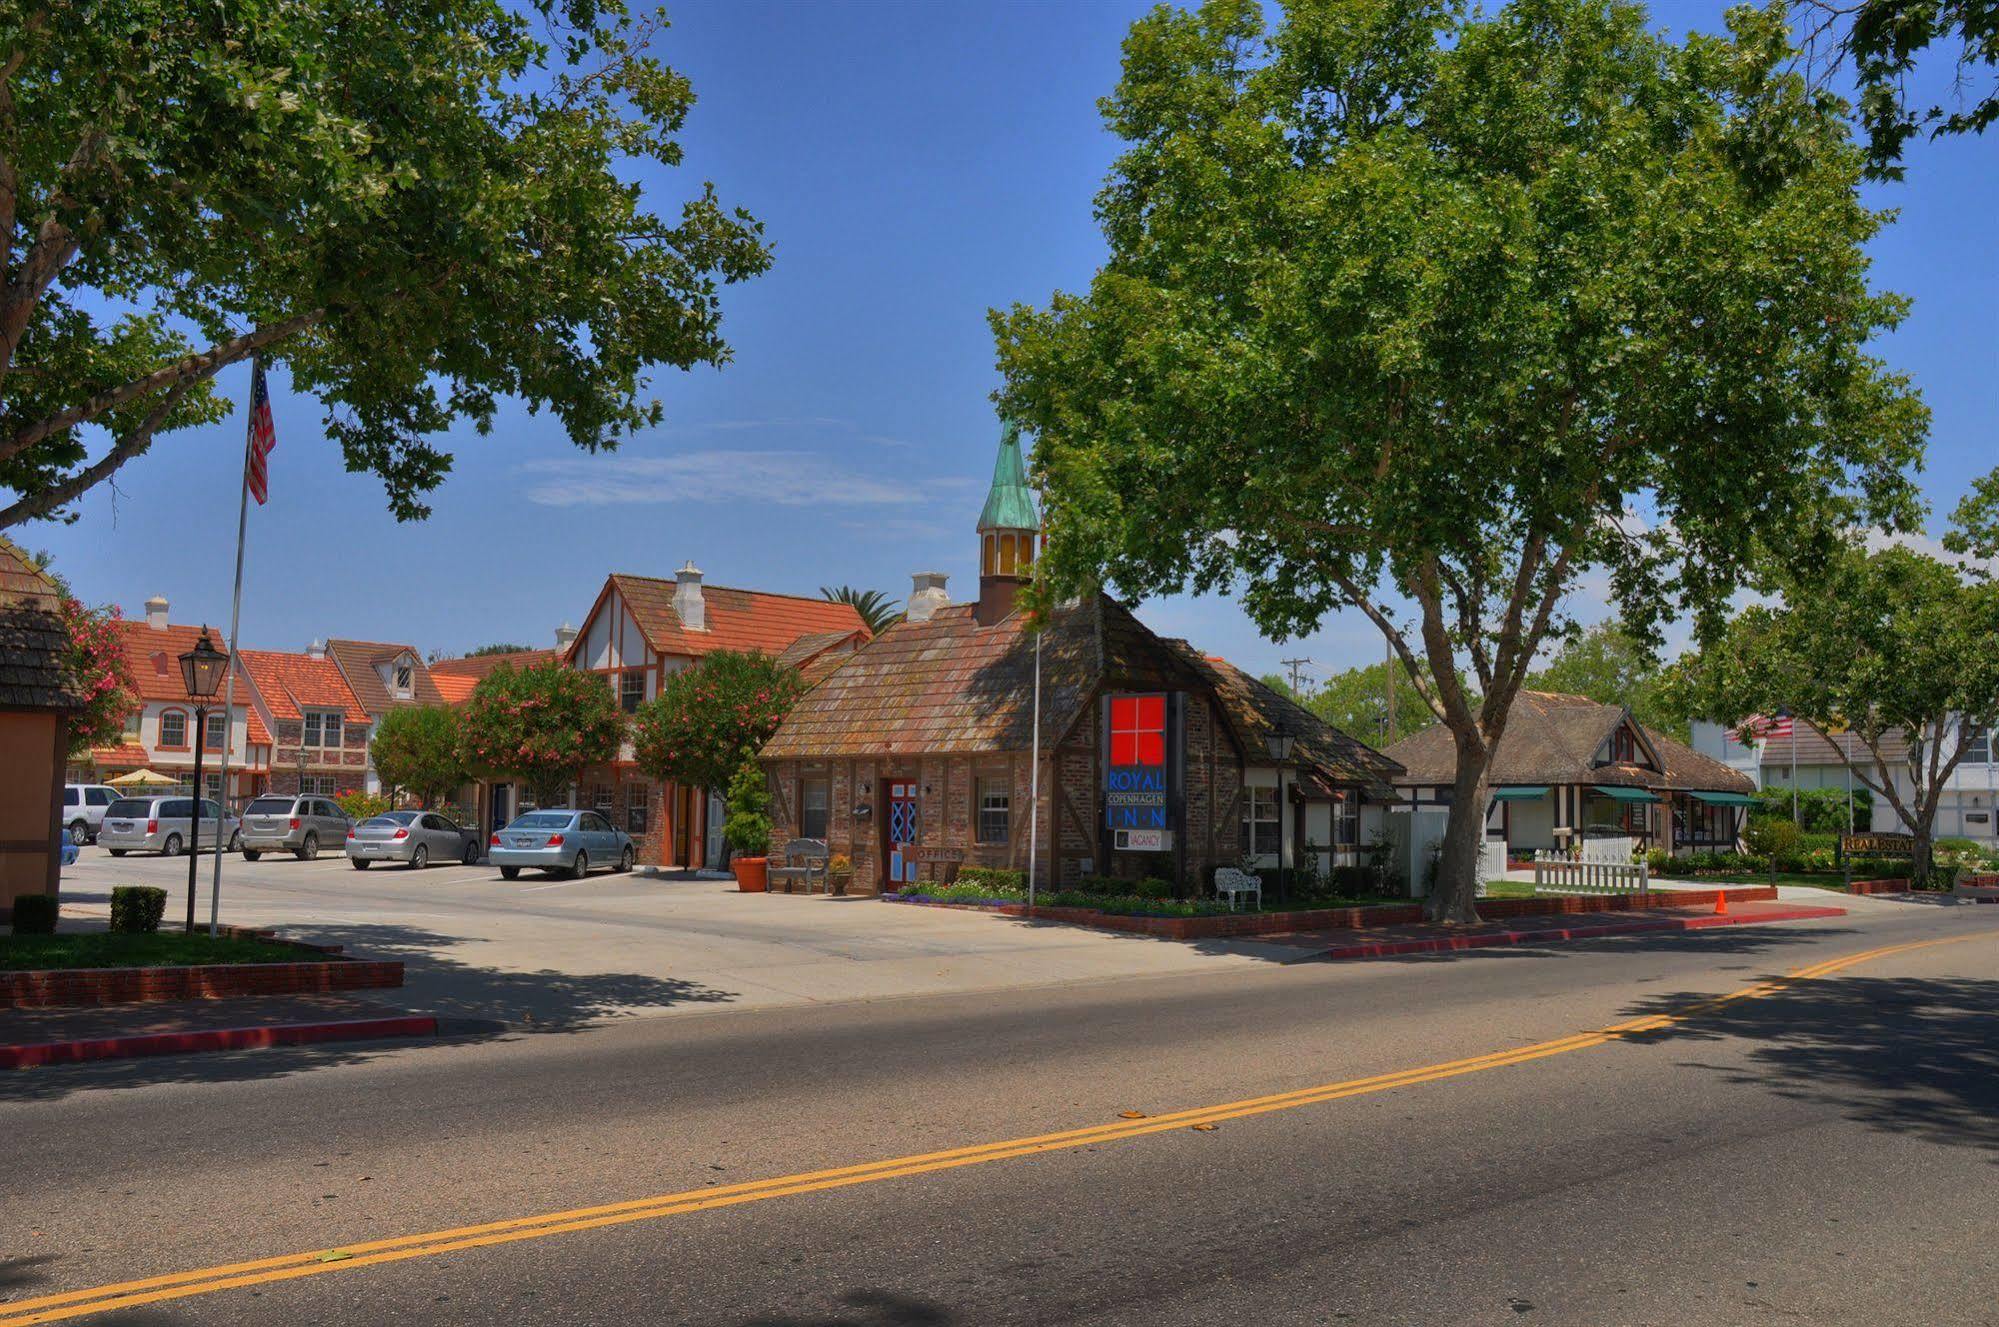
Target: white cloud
[{"x": 786, "y": 478}]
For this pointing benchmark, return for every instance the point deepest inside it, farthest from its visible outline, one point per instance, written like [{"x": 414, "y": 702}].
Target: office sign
[{"x": 1137, "y": 777}]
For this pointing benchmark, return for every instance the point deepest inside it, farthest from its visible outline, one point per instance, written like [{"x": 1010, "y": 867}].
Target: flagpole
[{"x": 229, "y": 687}]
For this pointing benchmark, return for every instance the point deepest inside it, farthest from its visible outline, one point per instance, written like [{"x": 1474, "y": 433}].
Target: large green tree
[
  {"x": 542, "y": 725},
  {"x": 418, "y": 208},
  {"x": 713, "y": 717},
  {"x": 1882, "y": 40},
  {"x": 1426, "y": 314},
  {"x": 1356, "y": 702},
  {"x": 1892, "y": 642},
  {"x": 416, "y": 747},
  {"x": 1608, "y": 664}
]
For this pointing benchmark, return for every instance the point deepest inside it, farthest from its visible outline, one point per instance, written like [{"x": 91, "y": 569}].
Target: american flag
[
  {"x": 263, "y": 436},
  {"x": 1758, "y": 727}
]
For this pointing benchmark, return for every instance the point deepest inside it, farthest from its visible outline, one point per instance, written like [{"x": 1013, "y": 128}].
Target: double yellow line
[{"x": 288, "y": 1267}]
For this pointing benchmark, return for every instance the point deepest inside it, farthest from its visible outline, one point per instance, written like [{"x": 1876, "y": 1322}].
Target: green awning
[
  {"x": 1724, "y": 799},
  {"x": 1617, "y": 794},
  {"x": 1518, "y": 794}
]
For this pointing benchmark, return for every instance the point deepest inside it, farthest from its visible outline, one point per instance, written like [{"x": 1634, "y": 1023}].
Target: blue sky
[{"x": 915, "y": 164}]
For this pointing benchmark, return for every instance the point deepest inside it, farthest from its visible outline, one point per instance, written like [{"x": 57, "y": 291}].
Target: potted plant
[
  {"x": 748, "y": 827},
  {"x": 839, "y": 873}
]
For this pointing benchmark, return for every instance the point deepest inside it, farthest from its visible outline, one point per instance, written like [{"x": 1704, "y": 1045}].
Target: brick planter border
[
  {"x": 44, "y": 987},
  {"x": 1236, "y": 925}
]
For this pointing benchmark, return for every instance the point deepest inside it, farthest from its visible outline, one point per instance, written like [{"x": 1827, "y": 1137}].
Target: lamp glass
[
  {"x": 201, "y": 667},
  {"x": 1280, "y": 745}
]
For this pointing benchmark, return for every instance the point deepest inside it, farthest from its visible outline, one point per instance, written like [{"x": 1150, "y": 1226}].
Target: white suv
[{"x": 83, "y": 806}]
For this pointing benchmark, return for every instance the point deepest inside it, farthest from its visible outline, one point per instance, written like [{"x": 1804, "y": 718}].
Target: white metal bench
[{"x": 1232, "y": 885}]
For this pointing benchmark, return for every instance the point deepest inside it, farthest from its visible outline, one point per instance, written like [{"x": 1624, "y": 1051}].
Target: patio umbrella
[{"x": 143, "y": 778}]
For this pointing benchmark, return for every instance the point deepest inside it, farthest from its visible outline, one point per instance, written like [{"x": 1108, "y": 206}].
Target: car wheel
[
  {"x": 471, "y": 857},
  {"x": 236, "y": 842},
  {"x": 510, "y": 873},
  {"x": 171, "y": 848},
  {"x": 79, "y": 833},
  {"x": 360, "y": 865},
  {"x": 626, "y": 858},
  {"x": 116, "y": 852},
  {"x": 309, "y": 849},
  {"x": 419, "y": 858},
  {"x": 581, "y": 866},
  {"x": 252, "y": 854}
]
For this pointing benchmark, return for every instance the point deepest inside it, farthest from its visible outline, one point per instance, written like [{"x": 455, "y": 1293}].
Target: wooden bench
[
  {"x": 1232, "y": 884},
  {"x": 804, "y": 863}
]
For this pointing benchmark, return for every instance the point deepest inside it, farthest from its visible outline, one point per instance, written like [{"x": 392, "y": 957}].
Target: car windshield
[
  {"x": 542, "y": 820},
  {"x": 130, "y": 808},
  {"x": 394, "y": 818},
  {"x": 269, "y": 806}
]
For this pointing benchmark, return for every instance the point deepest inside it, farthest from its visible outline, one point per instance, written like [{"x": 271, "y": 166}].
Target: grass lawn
[
  {"x": 1509, "y": 889},
  {"x": 1815, "y": 881},
  {"x": 101, "y": 949}
]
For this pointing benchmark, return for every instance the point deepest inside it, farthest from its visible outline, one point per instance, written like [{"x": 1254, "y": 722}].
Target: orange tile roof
[
  {"x": 736, "y": 619},
  {"x": 456, "y": 688},
  {"x": 288, "y": 681},
  {"x": 356, "y": 660},
  {"x": 455, "y": 678},
  {"x": 153, "y": 655}
]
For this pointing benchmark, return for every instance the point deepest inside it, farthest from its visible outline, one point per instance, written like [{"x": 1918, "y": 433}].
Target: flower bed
[{"x": 246, "y": 962}]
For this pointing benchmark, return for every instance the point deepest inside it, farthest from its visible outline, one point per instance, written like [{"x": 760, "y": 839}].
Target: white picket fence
[
  {"x": 1554, "y": 873},
  {"x": 1610, "y": 851}
]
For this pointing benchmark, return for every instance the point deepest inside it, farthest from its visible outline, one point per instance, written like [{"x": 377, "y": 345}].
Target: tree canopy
[
  {"x": 876, "y": 609},
  {"x": 1354, "y": 702},
  {"x": 419, "y": 209},
  {"x": 1608, "y": 664},
  {"x": 416, "y": 747},
  {"x": 1876, "y": 644},
  {"x": 542, "y": 725},
  {"x": 1883, "y": 40},
  {"x": 713, "y": 716},
  {"x": 1424, "y": 313}
]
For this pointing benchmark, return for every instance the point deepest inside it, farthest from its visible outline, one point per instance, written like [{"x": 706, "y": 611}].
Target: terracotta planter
[
  {"x": 837, "y": 884},
  {"x": 752, "y": 874}
]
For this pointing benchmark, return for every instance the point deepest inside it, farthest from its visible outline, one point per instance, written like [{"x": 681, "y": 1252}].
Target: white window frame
[
  {"x": 1255, "y": 796},
  {"x": 402, "y": 679},
  {"x": 992, "y": 795},
  {"x": 315, "y": 726}
]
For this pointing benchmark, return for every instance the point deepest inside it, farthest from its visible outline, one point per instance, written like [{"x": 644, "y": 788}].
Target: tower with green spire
[{"x": 1009, "y": 531}]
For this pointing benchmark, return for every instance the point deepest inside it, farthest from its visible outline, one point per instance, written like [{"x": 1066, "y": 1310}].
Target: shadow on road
[
  {"x": 1905, "y": 1055},
  {"x": 867, "y": 1308}
]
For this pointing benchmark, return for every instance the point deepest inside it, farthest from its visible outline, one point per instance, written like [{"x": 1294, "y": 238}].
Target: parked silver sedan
[
  {"x": 163, "y": 825},
  {"x": 415, "y": 838},
  {"x": 569, "y": 842}
]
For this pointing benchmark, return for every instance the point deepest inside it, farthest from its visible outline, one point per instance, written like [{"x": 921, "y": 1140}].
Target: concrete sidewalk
[
  {"x": 1431, "y": 938},
  {"x": 67, "y": 1034}
]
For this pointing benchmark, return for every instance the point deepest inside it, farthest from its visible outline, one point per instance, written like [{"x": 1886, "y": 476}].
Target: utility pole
[{"x": 1297, "y": 667}]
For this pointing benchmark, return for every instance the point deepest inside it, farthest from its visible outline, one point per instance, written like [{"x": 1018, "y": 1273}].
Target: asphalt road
[{"x": 1820, "y": 1151}]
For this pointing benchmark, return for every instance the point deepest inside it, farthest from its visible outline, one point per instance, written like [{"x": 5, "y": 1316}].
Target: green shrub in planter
[
  {"x": 35, "y": 914},
  {"x": 137, "y": 909}
]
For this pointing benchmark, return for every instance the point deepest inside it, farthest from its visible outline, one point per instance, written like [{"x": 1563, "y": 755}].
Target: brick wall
[{"x": 214, "y": 981}]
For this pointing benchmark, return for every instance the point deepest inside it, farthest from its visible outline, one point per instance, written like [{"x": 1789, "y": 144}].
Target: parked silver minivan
[
  {"x": 299, "y": 824},
  {"x": 162, "y": 825}
]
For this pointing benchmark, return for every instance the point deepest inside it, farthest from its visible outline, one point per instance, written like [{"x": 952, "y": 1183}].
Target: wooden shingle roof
[
  {"x": 1256, "y": 712},
  {"x": 33, "y": 639}
]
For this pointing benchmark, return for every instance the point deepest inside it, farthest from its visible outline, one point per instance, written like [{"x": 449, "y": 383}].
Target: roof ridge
[{"x": 738, "y": 589}]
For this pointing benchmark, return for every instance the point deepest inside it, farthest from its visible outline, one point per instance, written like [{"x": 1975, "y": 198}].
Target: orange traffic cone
[{"x": 1721, "y": 903}]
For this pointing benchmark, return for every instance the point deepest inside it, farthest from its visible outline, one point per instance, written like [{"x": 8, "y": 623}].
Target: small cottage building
[
  {"x": 37, "y": 700},
  {"x": 1570, "y": 768},
  {"x": 913, "y": 756}
]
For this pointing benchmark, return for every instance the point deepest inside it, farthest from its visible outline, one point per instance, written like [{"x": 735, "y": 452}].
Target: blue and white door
[{"x": 903, "y": 826}]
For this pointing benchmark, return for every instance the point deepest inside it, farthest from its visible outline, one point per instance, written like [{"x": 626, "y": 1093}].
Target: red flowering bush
[
  {"x": 713, "y": 716},
  {"x": 98, "y": 672},
  {"x": 542, "y": 725}
]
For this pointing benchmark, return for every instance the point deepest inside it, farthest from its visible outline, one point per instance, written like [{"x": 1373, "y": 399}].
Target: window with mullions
[
  {"x": 638, "y": 801},
  {"x": 631, "y": 691},
  {"x": 1262, "y": 829},
  {"x": 1138, "y": 730},
  {"x": 994, "y": 807},
  {"x": 322, "y": 728},
  {"x": 173, "y": 728},
  {"x": 1977, "y": 745},
  {"x": 218, "y": 732},
  {"x": 1703, "y": 823},
  {"x": 814, "y": 799}
]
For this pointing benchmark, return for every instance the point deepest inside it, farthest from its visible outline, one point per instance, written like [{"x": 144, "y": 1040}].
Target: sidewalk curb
[
  {"x": 1485, "y": 940},
  {"x": 214, "y": 1039}
]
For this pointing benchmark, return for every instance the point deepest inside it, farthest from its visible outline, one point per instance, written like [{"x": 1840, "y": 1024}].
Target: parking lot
[{"x": 553, "y": 953}]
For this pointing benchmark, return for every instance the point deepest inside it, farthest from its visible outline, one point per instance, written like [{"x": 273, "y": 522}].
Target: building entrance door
[{"x": 903, "y": 829}]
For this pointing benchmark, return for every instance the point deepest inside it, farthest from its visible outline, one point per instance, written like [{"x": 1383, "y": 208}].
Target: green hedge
[
  {"x": 996, "y": 877},
  {"x": 35, "y": 914},
  {"x": 137, "y": 909}
]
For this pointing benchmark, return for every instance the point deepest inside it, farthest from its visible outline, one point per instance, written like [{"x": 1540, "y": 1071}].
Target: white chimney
[
  {"x": 156, "y": 612},
  {"x": 564, "y": 636},
  {"x": 316, "y": 650},
  {"x": 687, "y": 602},
  {"x": 926, "y": 595}
]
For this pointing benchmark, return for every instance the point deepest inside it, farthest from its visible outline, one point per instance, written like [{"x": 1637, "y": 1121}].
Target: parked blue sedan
[{"x": 569, "y": 843}]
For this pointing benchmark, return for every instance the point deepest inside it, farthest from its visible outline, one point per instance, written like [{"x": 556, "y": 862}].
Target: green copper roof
[{"x": 1010, "y": 504}]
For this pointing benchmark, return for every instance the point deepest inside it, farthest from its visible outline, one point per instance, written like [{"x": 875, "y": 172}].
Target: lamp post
[
  {"x": 1280, "y": 751},
  {"x": 201, "y": 669}
]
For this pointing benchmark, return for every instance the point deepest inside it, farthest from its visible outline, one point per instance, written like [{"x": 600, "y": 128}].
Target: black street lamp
[
  {"x": 1280, "y": 751},
  {"x": 201, "y": 668}
]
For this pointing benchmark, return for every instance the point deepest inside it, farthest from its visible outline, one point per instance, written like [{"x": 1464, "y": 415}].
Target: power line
[{"x": 1297, "y": 666}]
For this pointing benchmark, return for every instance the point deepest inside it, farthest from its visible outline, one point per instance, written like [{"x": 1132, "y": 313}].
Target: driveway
[{"x": 539, "y": 953}]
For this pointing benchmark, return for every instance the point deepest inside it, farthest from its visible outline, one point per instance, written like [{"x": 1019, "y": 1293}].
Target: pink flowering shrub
[
  {"x": 98, "y": 671},
  {"x": 542, "y": 725},
  {"x": 713, "y": 716}
]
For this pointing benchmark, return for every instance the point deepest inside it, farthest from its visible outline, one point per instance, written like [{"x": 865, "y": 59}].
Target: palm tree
[{"x": 876, "y": 609}]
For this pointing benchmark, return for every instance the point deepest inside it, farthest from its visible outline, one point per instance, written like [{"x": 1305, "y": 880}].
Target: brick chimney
[
  {"x": 688, "y": 604},
  {"x": 926, "y": 595},
  {"x": 156, "y": 612}
]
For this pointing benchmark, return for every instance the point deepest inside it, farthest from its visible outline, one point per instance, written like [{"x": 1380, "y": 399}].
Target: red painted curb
[
  {"x": 1485, "y": 940},
  {"x": 214, "y": 1039}
]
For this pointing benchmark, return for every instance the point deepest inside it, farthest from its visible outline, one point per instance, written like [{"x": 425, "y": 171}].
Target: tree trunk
[
  {"x": 1454, "y": 895},
  {"x": 1920, "y": 866}
]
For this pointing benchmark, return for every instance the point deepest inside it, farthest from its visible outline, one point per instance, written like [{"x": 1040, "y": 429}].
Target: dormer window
[{"x": 405, "y": 679}]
